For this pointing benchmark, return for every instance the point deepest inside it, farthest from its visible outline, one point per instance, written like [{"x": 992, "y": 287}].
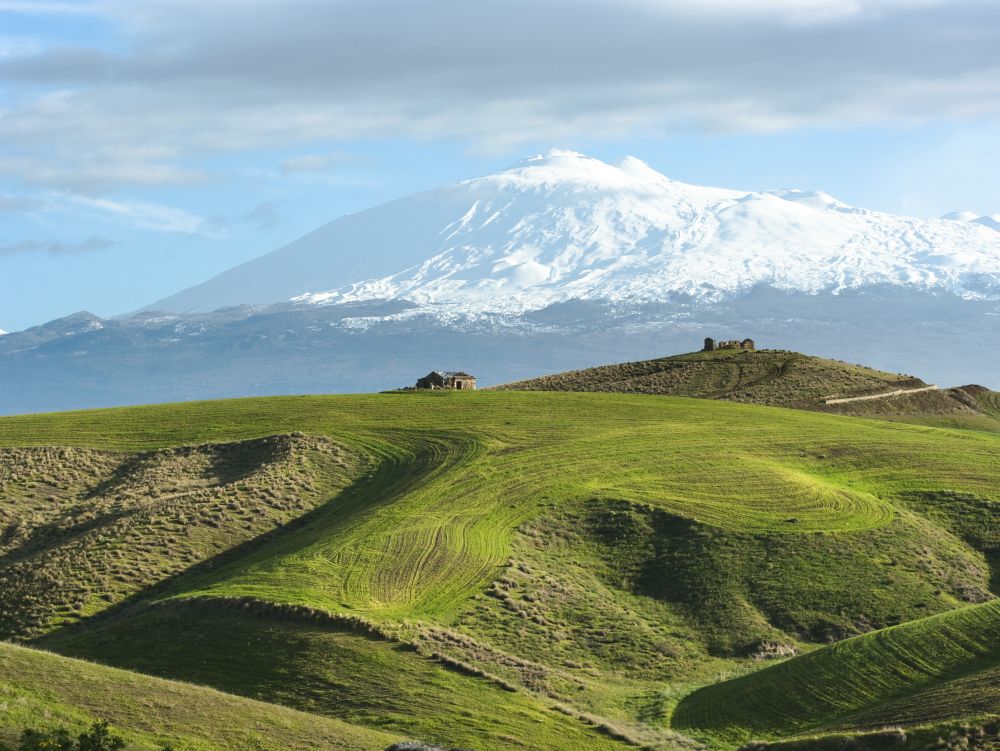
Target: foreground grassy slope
[
  {"x": 774, "y": 377},
  {"x": 324, "y": 669},
  {"x": 939, "y": 667},
  {"x": 43, "y": 690},
  {"x": 605, "y": 551}
]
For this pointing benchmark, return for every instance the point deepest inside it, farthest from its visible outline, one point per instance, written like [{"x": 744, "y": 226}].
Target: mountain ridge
[{"x": 84, "y": 361}]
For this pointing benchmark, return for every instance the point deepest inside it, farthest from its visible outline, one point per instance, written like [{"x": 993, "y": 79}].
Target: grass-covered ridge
[
  {"x": 775, "y": 377},
  {"x": 43, "y": 690},
  {"x": 780, "y": 378},
  {"x": 603, "y": 553},
  {"x": 988, "y": 401},
  {"x": 944, "y": 665},
  {"x": 321, "y": 667}
]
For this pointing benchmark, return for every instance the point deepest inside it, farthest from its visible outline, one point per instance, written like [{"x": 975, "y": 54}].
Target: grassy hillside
[
  {"x": 323, "y": 668},
  {"x": 543, "y": 570},
  {"x": 936, "y": 668},
  {"x": 84, "y": 528},
  {"x": 43, "y": 690},
  {"x": 777, "y": 378},
  {"x": 987, "y": 401}
]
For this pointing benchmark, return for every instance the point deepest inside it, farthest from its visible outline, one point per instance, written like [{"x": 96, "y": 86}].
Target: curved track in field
[
  {"x": 434, "y": 522},
  {"x": 453, "y": 476},
  {"x": 448, "y": 478},
  {"x": 745, "y": 492},
  {"x": 387, "y": 542}
]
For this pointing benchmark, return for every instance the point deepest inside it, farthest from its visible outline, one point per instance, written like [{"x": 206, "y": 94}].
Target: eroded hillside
[{"x": 82, "y": 529}]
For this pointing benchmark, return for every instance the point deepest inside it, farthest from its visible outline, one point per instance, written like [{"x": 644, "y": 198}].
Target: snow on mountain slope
[
  {"x": 961, "y": 216},
  {"x": 566, "y": 226},
  {"x": 988, "y": 220}
]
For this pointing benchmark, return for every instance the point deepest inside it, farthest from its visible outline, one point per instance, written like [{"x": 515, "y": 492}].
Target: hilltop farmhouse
[
  {"x": 711, "y": 344},
  {"x": 446, "y": 379}
]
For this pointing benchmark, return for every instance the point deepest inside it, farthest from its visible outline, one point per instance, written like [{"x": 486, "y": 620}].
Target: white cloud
[
  {"x": 19, "y": 204},
  {"x": 17, "y": 47},
  {"x": 202, "y": 78},
  {"x": 55, "y": 247},
  {"x": 792, "y": 11},
  {"x": 151, "y": 216}
]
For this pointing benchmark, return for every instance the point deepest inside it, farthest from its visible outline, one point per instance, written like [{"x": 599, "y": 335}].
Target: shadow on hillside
[
  {"x": 206, "y": 464},
  {"x": 391, "y": 480},
  {"x": 993, "y": 559}
]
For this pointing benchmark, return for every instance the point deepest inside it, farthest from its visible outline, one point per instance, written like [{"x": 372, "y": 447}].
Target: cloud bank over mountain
[{"x": 188, "y": 79}]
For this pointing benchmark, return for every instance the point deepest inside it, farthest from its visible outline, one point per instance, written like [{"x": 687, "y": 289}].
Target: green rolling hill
[
  {"x": 987, "y": 401},
  {"x": 42, "y": 690},
  {"x": 497, "y": 569},
  {"x": 935, "y": 668},
  {"x": 784, "y": 379}
]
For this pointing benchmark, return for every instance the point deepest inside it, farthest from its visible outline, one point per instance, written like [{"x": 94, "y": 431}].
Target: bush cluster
[{"x": 98, "y": 738}]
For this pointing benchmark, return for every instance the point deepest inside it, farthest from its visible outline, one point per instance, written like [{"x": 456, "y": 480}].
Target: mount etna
[{"x": 560, "y": 262}]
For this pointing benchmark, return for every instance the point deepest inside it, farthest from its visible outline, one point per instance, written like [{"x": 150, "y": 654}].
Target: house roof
[{"x": 453, "y": 373}]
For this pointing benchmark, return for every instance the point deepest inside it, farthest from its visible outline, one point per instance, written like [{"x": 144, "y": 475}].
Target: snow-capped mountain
[
  {"x": 565, "y": 226},
  {"x": 560, "y": 262}
]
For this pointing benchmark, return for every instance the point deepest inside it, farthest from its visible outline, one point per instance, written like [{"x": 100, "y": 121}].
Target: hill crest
[{"x": 778, "y": 378}]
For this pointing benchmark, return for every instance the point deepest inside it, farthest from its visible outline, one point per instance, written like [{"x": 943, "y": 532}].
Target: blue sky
[{"x": 147, "y": 146}]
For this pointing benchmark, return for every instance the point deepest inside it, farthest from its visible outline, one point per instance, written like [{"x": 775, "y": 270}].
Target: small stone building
[
  {"x": 747, "y": 344},
  {"x": 446, "y": 379}
]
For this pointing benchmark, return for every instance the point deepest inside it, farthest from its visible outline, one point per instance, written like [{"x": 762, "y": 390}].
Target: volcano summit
[{"x": 564, "y": 226}]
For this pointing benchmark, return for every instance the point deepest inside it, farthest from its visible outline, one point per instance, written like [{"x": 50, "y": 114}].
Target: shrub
[{"x": 98, "y": 738}]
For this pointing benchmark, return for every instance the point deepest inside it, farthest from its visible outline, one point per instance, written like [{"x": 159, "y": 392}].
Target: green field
[{"x": 496, "y": 569}]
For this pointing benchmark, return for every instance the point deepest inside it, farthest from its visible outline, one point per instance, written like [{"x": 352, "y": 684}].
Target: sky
[{"x": 146, "y": 146}]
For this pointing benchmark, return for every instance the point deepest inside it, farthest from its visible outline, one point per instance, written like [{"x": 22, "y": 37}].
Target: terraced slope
[
  {"x": 773, "y": 377},
  {"x": 936, "y": 668},
  {"x": 39, "y": 689},
  {"x": 503, "y": 552}
]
